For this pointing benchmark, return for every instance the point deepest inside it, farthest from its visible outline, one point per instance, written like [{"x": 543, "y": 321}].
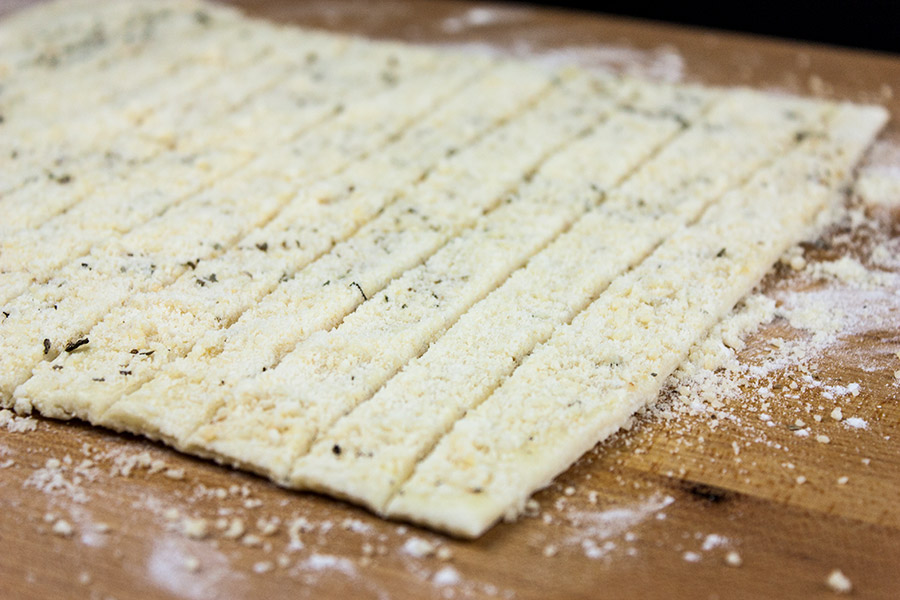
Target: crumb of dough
[
  {"x": 733, "y": 559},
  {"x": 837, "y": 414},
  {"x": 550, "y": 551},
  {"x": 842, "y": 480},
  {"x": 838, "y": 582},
  {"x": 444, "y": 553},
  {"x": 823, "y": 439}
]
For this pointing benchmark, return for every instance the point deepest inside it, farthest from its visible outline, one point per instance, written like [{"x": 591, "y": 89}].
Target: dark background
[{"x": 871, "y": 24}]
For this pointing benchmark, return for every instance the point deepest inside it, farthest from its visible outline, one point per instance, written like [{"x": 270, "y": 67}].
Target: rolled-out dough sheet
[{"x": 423, "y": 281}]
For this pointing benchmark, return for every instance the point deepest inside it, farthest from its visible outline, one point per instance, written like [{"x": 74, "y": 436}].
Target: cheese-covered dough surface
[{"x": 420, "y": 280}]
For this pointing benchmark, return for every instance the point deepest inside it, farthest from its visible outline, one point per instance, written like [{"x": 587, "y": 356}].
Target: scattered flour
[
  {"x": 16, "y": 424},
  {"x": 713, "y": 540},
  {"x": 477, "y": 17},
  {"x": 173, "y": 566},
  {"x": 328, "y": 562},
  {"x": 419, "y": 547},
  {"x": 660, "y": 64},
  {"x": 838, "y": 582},
  {"x": 446, "y": 576},
  {"x": 856, "y": 423},
  {"x": 594, "y": 529}
]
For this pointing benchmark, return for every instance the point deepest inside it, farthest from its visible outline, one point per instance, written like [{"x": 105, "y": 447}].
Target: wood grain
[{"x": 659, "y": 491}]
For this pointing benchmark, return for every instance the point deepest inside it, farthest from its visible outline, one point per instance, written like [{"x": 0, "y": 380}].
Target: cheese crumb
[
  {"x": 733, "y": 559},
  {"x": 267, "y": 527},
  {"x": 837, "y": 414},
  {"x": 195, "y": 528},
  {"x": 843, "y": 480},
  {"x": 235, "y": 529},
  {"x": 192, "y": 564},
  {"x": 838, "y": 582},
  {"x": 823, "y": 439},
  {"x": 63, "y": 528},
  {"x": 532, "y": 508},
  {"x": 174, "y": 474},
  {"x": 798, "y": 263},
  {"x": 418, "y": 547}
]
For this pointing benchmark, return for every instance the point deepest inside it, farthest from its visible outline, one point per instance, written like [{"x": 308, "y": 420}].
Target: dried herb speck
[
  {"x": 359, "y": 287},
  {"x": 72, "y": 346}
]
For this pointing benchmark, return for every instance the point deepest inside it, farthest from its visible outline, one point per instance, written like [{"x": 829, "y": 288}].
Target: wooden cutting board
[{"x": 652, "y": 513}]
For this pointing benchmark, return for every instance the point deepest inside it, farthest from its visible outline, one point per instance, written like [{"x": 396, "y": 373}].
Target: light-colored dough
[{"x": 421, "y": 280}]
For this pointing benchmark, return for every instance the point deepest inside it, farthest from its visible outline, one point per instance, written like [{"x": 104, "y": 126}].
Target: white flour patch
[
  {"x": 64, "y": 479},
  {"x": 192, "y": 570},
  {"x": 477, "y": 17},
  {"x": 596, "y": 528},
  {"x": 714, "y": 540},
  {"x": 661, "y": 64},
  {"x": 329, "y": 562},
  {"x": 856, "y": 423}
]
